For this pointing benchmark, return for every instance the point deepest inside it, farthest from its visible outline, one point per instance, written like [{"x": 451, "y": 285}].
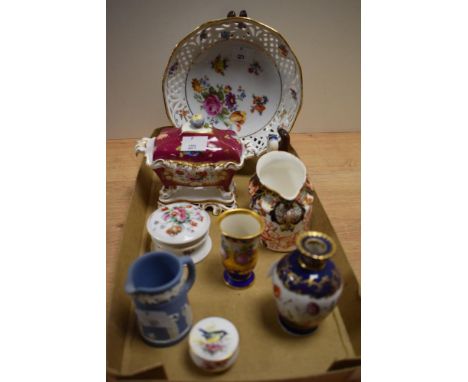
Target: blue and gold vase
[{"x": 306, "y": 283}]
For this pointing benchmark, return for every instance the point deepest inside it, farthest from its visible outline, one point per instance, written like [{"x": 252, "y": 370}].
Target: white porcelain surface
[
  {"x": 178, "y": 224},
  {"x": 212, "y": 198},
  {"x": 241, "y": 74},
  {"x": 244, "y": 85},
  {"x": 282, "y": 173},
  {"x": 214, "y": 344},
  {"x": 197, "y": 252}
]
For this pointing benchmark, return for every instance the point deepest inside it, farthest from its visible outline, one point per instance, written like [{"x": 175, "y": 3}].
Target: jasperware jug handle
[{"x": 191, "y": 272}]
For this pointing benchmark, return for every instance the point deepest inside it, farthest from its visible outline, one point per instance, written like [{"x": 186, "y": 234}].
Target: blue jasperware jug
[{"x": 159, "y": 291}]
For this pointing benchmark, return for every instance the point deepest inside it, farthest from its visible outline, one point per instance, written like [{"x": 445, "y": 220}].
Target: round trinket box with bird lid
[
  {"x": 182, "y": 229},
  {"x": 214, "y": 344}
]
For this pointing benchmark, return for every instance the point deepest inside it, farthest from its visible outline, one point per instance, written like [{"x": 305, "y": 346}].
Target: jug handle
[{"x": 191, "y": 272}]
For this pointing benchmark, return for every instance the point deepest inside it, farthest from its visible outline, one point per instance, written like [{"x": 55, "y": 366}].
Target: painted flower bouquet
[
  {"x": 176, "y": 215},
  {"x": 220, "y": 102}
]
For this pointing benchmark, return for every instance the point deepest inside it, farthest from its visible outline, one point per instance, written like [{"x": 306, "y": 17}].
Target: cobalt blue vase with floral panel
[{"x": 306, "y": 283}]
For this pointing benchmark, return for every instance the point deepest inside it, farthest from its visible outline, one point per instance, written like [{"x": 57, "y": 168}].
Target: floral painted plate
[{"x": 240, "y": 74}]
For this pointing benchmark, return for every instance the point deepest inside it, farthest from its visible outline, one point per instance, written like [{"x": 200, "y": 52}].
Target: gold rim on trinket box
[
  {"x": 318, "y": 235},
  {"x": 246, "y": 212},
  {"x": 231, "y": 20}
]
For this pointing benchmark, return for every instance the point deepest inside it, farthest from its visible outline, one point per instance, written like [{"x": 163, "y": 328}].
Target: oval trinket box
[
  {"x": 214, "y": 344},
  {"x": 181, "y": 228}
]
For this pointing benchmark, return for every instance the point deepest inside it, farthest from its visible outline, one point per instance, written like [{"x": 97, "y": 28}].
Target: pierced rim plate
[{"x": 240, "y": 74}]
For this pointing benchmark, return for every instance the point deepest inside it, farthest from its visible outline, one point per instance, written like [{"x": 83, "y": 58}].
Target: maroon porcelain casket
[
  {"x": 195, "y": 168},
  {"x": 195, "y": 164}
]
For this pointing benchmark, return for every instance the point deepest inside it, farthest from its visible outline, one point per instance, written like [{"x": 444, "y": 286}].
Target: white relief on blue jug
[
  {"x": 151, "y": 299},
  {"x": 158, "y": 319},
  {"x": 173, "y": 328},
  {"x": 187, "y": 313}
]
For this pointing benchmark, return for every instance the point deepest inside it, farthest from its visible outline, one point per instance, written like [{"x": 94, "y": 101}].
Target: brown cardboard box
[{"x": 266, "y": 351}]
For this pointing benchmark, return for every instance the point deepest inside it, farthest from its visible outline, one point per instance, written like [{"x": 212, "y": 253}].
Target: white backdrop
[{"x": 324, "y": 34}]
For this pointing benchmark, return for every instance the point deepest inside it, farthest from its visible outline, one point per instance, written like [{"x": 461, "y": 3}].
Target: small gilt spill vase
[
  {"x": 240, "y": 237},
  {"x": 306, "y": 283}
]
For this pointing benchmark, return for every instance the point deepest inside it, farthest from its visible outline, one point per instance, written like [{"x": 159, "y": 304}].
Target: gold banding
[
  {"x": 230, "y": 20},
  {"x": 244, "y": 211},
  {"x": 315, "y": 235}
]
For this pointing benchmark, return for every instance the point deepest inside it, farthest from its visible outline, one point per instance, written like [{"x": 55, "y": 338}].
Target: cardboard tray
[{"x": 266, "y": 351}]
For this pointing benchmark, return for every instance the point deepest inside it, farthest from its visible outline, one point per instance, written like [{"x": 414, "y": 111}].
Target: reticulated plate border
[{"x": 236, "y": 28}]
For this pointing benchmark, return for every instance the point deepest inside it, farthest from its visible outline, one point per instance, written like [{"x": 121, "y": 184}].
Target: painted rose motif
[
  {"x": 220, "y": 102},
  {"x": 219, "y": 64},
  {"x": 176, "y": 219},
  {"x": 212, "y": 105},
  {"x": 174, "y": 230},
  {"x": 177, "y": 214}
]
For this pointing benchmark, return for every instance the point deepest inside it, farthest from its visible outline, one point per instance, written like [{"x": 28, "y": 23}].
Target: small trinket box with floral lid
[{"x": 182, "y": 229}]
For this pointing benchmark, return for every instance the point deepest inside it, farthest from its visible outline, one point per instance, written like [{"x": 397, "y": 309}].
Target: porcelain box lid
[
  {"x": 214, "y": 339},
  {"x": 178, "y": 224},
  {"x": 214, "y": 146}
]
